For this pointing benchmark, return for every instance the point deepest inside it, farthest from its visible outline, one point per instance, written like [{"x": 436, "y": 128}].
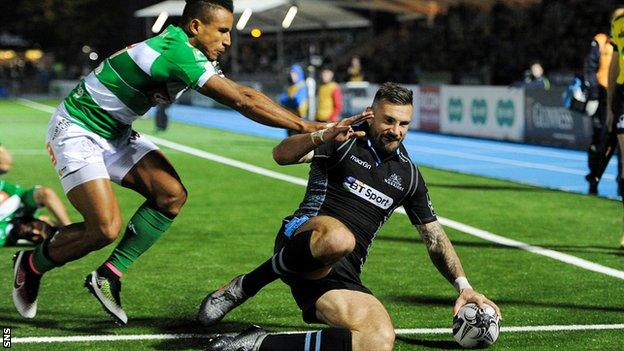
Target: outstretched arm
[
  {"x": 447, "y": 262},
  {"x": 255, "y": 105},
  {"x": 295, "y": 148}
]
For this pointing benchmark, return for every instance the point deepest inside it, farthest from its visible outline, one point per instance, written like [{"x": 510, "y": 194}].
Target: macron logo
[
  {"x": 360, "y": 162},
  {"x": 367, "y": 193}
]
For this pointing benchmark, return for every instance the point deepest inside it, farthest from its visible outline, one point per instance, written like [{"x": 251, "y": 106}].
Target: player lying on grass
[
  {"x": 91, "y": 143},
  {"x": 354, "y": 186},
  {"x": 5, "y": 160},
  {"x": 20, "y": 222}
]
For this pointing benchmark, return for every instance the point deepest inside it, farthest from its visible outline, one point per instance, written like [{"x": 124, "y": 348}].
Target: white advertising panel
[{"x": 486, "y": 112}]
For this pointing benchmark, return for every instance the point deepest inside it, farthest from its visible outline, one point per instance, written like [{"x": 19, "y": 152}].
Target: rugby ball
[{"x": 474, "y": 327}]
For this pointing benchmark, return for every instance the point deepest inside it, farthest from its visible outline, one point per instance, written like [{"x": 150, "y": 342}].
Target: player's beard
[{"x": 389, "y": 143}]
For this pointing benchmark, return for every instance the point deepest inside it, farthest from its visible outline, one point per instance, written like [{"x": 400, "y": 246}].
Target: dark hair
[
  {"x": 394, "y": 94},
  {"x": 200, "y": 9}
]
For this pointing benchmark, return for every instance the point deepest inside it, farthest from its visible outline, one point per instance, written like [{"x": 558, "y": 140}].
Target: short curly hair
[
  {"x": 394, "y": 94},
  {"x": 201, "y": 9}
]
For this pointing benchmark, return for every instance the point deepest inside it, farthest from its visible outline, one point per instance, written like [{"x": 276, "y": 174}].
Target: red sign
[{"x": 430, "y": 108}]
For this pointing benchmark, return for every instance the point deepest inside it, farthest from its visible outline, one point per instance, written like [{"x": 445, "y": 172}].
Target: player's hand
[
  {"x": 313, "y": 126},
  {"x": 469, "y": 295},
  {"x": 342, "y": 130}
]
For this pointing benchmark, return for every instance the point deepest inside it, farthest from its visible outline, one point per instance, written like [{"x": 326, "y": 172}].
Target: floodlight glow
[
  {"x": 94, "y": 56},
  {"x": 33, "y": 54},
  {"x": 244, "y": 18},
  {"x": 256, "y": 33},
  {"x": 290, "y": 16},
  {"x": 160, "y": 21}
]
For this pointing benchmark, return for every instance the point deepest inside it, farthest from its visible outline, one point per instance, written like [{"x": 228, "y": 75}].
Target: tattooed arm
[
  {"x": 441, "y": 251},
  {"x": 447, "y": 262}
]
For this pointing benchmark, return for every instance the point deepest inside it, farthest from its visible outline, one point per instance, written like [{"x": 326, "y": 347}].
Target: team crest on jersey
[
  {"x": 367, "y": 193},
  {"x": 395, "y": 181},
  {"x": 78, "y": 92}
]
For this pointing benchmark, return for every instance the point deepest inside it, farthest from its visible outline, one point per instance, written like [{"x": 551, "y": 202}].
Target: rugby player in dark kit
[{"x": 359, "y": 175}]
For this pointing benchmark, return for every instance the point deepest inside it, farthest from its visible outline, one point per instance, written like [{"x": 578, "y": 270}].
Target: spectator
[
  {"x": 329, "y": 105},
  {"x": 534, "y": 77},
  {"x": 355, "y": 70},
  {"x": 295, "y": 98}
]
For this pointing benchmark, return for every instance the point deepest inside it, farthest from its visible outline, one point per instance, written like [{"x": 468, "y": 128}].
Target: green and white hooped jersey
[{"x": 127, "y": 84}]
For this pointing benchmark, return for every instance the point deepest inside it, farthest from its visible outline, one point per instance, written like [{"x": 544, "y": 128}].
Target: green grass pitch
[{"x": 229, "y": 223}]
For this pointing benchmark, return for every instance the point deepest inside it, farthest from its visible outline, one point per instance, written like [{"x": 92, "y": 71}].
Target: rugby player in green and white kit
[{"x": 91, "y": 143}]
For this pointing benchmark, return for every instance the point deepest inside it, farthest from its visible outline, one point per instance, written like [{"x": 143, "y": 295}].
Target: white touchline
[
  {"x": 573, "y": 260},
  {"x": 414, "y": 331},
  {"x": 36, "y": 105}
]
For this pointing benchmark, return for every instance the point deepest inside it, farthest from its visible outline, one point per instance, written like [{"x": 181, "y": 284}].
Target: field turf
[{"x": 229, "y": 223}]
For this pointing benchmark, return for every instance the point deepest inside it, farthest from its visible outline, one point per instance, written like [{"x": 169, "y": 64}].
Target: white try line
[
  {"x": 415, "y": 331},
  {"x": 556, "y": 255}
]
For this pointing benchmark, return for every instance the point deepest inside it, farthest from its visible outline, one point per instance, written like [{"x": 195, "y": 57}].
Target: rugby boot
[
  {"x": 249, "y": 340},
  {"x": 106, "y": 291},
  {"x": 25, "y": 284},
  {"x": 220, "y": 302}
]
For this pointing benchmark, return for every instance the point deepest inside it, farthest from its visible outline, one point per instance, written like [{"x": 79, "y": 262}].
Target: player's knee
[
  {"x": 171, "y": 201},
  {"x": 106, "y": 232},
  {"x": 383, "y": 338},
  {"x": 338, "y": 243}
]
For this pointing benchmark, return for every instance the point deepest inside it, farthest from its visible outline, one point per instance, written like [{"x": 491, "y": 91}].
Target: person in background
[
  {"x": 329, "y": 105},
  {"x": 355, "y": 70},
  {"x": 534, "y": 77},
  {"x": 295, "y": 98},
  {"x": 603, "y": 143}
]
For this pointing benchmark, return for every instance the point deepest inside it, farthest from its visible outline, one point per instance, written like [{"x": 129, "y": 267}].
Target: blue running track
[{"x": 541, "y": 166}]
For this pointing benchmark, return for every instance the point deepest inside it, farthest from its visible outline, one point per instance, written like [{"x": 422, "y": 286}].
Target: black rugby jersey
[{"x": 351, "y": 182}]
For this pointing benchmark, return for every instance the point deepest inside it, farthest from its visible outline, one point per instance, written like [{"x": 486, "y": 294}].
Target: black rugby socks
[
  {"x": 332, "y": 339},
  {"x": 294, "y": 257}
]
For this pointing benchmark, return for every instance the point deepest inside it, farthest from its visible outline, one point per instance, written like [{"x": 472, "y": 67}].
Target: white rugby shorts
[{"x": 79, "y": 155}]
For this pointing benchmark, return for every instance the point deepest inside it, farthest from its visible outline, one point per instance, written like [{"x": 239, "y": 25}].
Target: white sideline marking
[
  {"x": 415, "y": 331},
  {"x": 35, "y": 105},
  {"x": 573, "y": 260}
]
